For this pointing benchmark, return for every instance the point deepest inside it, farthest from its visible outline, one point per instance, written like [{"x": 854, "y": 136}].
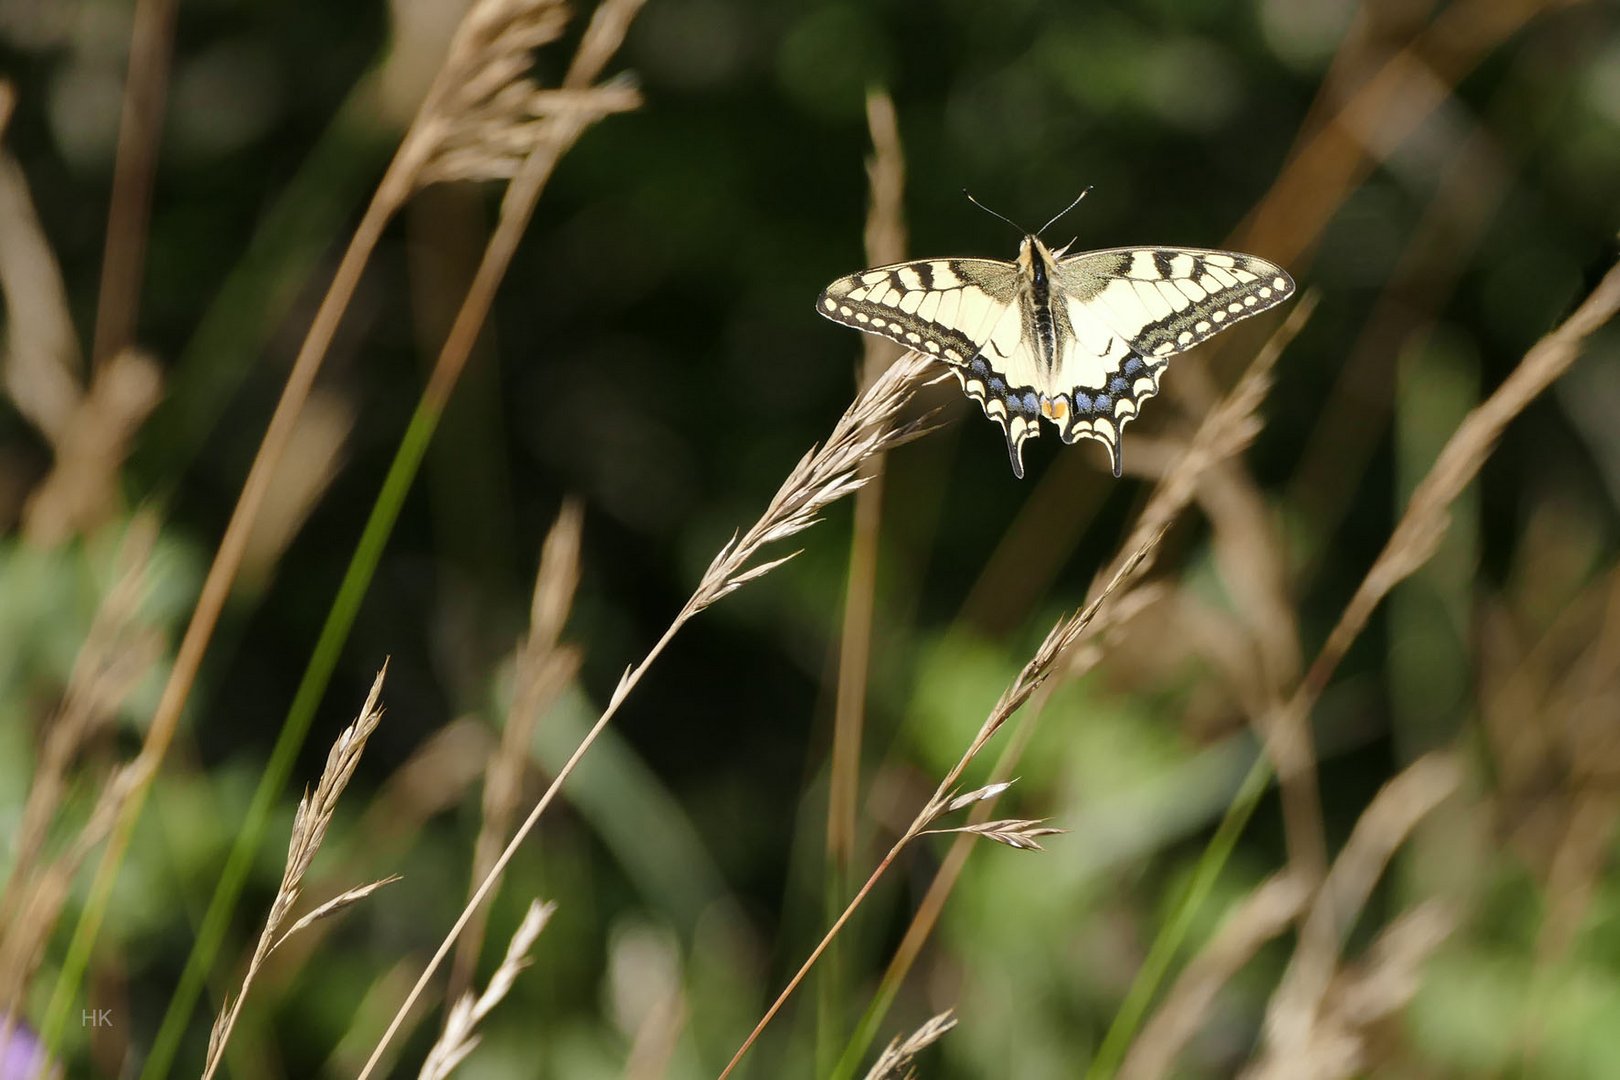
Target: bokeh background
[{"x": 653, "y": 352}]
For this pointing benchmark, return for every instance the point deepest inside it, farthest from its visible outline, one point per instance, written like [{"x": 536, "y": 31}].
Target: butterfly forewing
[
  {"x": 1166, "y": 300},
  {"x": 968, "y": 312},
  {"x": 944, "y": 307}
]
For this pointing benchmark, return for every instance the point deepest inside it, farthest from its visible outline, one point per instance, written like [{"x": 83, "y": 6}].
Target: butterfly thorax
[{"x": 1037, "y": 266}]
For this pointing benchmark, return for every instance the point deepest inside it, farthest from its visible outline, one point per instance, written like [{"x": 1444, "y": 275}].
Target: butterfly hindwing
[{"x": 1004, "y": 378}]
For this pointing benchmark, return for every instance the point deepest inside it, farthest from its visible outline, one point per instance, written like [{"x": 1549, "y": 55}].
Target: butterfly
[{"x": 1081, "y": 340}]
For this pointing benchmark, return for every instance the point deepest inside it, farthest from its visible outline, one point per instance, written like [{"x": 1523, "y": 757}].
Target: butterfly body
[{"x": 1078, "y": 340}]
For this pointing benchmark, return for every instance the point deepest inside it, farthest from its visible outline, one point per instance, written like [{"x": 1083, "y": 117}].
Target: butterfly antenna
[
  {"x": 1065, "y": 210},
  {"x": 1022, "y": 231}
]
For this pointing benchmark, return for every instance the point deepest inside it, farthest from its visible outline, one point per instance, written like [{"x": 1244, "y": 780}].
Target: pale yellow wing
[{"x": 1130, "y": 310}]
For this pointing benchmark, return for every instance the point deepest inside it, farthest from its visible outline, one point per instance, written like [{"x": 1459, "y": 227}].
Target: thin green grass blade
[
  {"x": 1174, "y": 933},
  {"x": 339, "y": 621}
]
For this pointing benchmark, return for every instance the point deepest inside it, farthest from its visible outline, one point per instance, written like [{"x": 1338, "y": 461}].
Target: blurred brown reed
[
  {"x": 1298, "y": 1006},
  {"x": 885, "y": 243},
  {"x": 1258, "y": 918},
  {"x": 88, "y": 423},
  {"x": 543, "y": 669},
  {"x": 119, "y": 650}
]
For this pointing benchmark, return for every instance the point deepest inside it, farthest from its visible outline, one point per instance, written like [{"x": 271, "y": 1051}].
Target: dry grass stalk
[
  {"x": 1047, "y": 661},
  {"x": 544, "y": 668},
  {"x": 821, "y": 477},
  {"x": 1225, "y": 431},
  {"x": 459, "y": 1038},
  {"x": 1021, "y": 834},
  {"x": 118, "y": 651},
  {"x": 1328, "y": 163},
  {"x": 1427, "y": 514},
  {"x": 437, "y": 777},
  {"x": 42, "y": 362},
  {"x": 1226, "y": 428},
  {"x": 1547, "y": 698},
  {"x": 601, "y": 39},
  {"x": 885, "y": 243},
  {"x": 313, "y": 459},
  {"x": 1083, "y": 656},
  {"x": 885, "y": 234},
  {"x": 82, "y": 489},
  {"x": 41, "y": 899},
  {"x": 1357, "y": 410},
  {"x": 310, "y": 823},
  {"x": 578, "y": 105},
  {"x": 1297, "y": 1007},
  {"x": 895, "y": 1061},
  {"x": 1251, "y": 559},
  {"x": 486, "y": 115},
  {"x": 1261, "y": 916},
  {"x": 88, "y": 428},
  {"x": 495, "y": 147},
  {"x": 140, "y": 131}
]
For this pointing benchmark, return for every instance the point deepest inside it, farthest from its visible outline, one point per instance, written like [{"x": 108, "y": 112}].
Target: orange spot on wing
[{"x": 1055, "y": 409}]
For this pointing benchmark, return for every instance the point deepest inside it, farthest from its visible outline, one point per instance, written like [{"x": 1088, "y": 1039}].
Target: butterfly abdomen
[{"x": 1045, "y": 326}]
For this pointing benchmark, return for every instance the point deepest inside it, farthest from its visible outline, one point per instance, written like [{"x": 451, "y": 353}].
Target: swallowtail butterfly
[{"x": 1079, "y": 339}]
